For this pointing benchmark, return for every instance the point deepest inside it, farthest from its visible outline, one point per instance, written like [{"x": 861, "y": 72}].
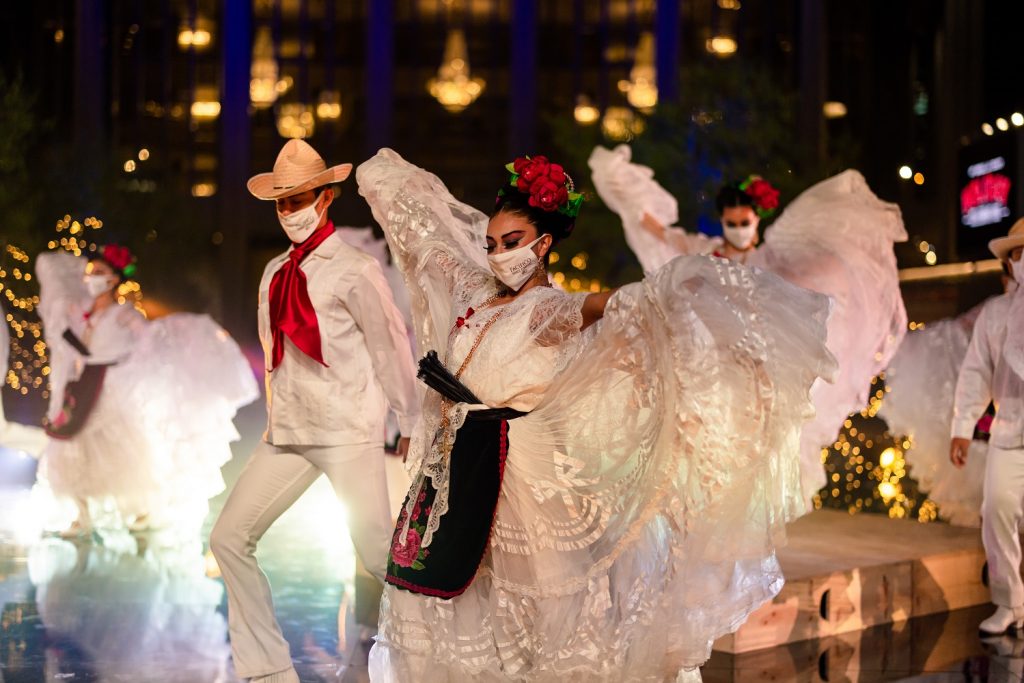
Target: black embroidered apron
[{"x": 476, "y": 469}]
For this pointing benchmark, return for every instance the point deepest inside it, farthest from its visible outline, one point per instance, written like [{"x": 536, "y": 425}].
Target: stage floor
[{"x": 154, "y": 612}]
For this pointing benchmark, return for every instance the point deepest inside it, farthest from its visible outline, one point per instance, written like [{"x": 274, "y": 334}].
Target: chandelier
[
  {"x": 263, "y": 73},
  {"x": 454, "y": 87},
  {"x": 641, "y": 89}
]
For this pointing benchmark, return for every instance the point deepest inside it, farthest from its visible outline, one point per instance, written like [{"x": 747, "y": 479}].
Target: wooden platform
[{"x": 848, "y": 573}]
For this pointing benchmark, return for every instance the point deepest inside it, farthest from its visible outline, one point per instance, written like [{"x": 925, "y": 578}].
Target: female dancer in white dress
[
  {"x": 140, "y": 412},
  {"x": 599, "y": 492},
  {"x": 835, "y": 238}
]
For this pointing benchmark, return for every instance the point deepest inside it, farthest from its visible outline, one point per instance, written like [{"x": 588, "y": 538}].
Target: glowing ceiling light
[
  {"x": 204, "y": 190},
  {"x": 328, "y": 105},
  {"x": 585, "y": 112},
  {"x": 723, "y": 46},
  {"x": 454, "y": 87},
  {"x": 834, "y": 110},
  {"x": 295, "y": 120},
  {"x": 621, "y": 124},
  {"x": 197, "y": 37}
]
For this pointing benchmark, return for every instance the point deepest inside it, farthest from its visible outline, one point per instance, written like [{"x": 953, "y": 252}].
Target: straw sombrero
[
  {"x": 1002, "y": 246},
  {"x": 298, "y": 168}
]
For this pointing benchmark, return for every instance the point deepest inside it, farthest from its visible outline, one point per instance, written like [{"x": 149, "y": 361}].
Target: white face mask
[
  {"x": 299, "y": 225},
  {"x": 99, "y": 284},
  {"x": 515, "y": 267},
  {"x": 1018, "y": 270},
  {"x": 740, "y": 237}
]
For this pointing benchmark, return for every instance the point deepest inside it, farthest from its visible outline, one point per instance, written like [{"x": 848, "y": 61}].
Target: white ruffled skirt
[{"x": 161, "y": 428}]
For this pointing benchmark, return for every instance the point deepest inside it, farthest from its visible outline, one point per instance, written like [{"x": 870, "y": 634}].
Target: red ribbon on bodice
[{"x": 291, "y": 311}]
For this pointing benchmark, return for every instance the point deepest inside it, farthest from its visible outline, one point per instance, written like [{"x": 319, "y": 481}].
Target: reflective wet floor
[{"x": 151, "y": 608}]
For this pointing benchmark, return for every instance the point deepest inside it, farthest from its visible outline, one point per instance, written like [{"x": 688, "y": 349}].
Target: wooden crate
[{"x": 848, "y": 573}]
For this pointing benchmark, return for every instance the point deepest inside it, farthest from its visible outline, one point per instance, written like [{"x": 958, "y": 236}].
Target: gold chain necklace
[{"x": 446, "y": 403}]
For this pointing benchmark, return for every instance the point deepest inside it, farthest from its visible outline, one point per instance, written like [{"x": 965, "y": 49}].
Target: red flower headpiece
[
  {"x": 765, "y": 197},
  {"x": 119, "y": 258},
  {"x": 548, "y": 185}
]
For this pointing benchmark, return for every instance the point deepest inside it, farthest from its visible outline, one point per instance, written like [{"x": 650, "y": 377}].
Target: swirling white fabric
[
  {"x": 836, "y": 238},
  {"x": 921, "y": 380},
  {"x": 647, "y": 488}
]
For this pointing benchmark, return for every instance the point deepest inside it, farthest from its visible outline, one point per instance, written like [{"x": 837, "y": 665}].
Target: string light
[{"x": 866, "y": 469}]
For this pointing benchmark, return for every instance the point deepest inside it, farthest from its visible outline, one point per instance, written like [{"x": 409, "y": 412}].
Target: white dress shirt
[
  {"x": 365, "y": 347},
  {"x": 985, "y": 376}
]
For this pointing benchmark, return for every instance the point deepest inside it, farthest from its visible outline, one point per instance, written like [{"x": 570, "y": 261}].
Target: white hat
[
  {"x": 298, "y": 168},
  {"x": 1002, "y": 246}
]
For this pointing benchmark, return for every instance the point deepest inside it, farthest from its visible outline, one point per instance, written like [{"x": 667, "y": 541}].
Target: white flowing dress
[
  {"x": 921, "y": 382},
  {"x": 836, "y": 238},
  {"x": 648, "y": 486},
  {"x": 162, "y": 426}
]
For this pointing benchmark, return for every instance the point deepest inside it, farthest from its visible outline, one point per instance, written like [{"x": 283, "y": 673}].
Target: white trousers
[
  {"x": 1002, "y": 512},
  {"x": 271, "y": 482}
]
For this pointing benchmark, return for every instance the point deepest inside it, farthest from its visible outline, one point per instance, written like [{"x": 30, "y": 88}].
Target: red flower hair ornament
[
  {"x": 765, "y": 197},
  {"x": 548, "y": 185},
  {"x": 119, "y": 258}
]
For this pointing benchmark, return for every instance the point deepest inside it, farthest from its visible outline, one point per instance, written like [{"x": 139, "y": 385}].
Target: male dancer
[
  {"x": 336, "y": 355},
  {"x": 993, "y": 370}
]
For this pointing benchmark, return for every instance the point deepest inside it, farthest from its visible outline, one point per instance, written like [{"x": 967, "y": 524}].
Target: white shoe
[
  {"x": 286, "y": 676},
  {"x": 1003, "y": 621}
]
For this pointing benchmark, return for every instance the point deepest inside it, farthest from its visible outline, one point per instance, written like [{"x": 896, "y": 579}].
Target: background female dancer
[{"x": 836, "y": 238}]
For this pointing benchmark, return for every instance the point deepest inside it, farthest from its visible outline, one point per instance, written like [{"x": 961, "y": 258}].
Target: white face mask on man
[
  {"x": 740, "y": 236},
  {"x": 299, "y": 225},
  {"x": 514, "y": 268},
  {"x": 99, "y": 284},
  {"x": 1018, "y": 269}
]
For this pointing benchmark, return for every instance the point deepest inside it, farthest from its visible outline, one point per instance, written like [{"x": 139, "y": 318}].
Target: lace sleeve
[
  {"x": 558, "y": 318},
  {"x": 436, "y": 241}
]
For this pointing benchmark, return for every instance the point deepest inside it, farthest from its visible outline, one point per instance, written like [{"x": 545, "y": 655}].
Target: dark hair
[
  {"x": 732, "y": 195},
  {"x": 553, "y": 223}
]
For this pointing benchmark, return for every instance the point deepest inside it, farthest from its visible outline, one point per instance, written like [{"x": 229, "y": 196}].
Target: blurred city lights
[
  {"x": 1002, "y": 124},
  {"x": 986, "y": 128},
  {"x": 906, "y": 172}
]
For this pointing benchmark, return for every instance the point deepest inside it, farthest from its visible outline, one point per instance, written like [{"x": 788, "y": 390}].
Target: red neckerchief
[{"x": 291, "y": 311}]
